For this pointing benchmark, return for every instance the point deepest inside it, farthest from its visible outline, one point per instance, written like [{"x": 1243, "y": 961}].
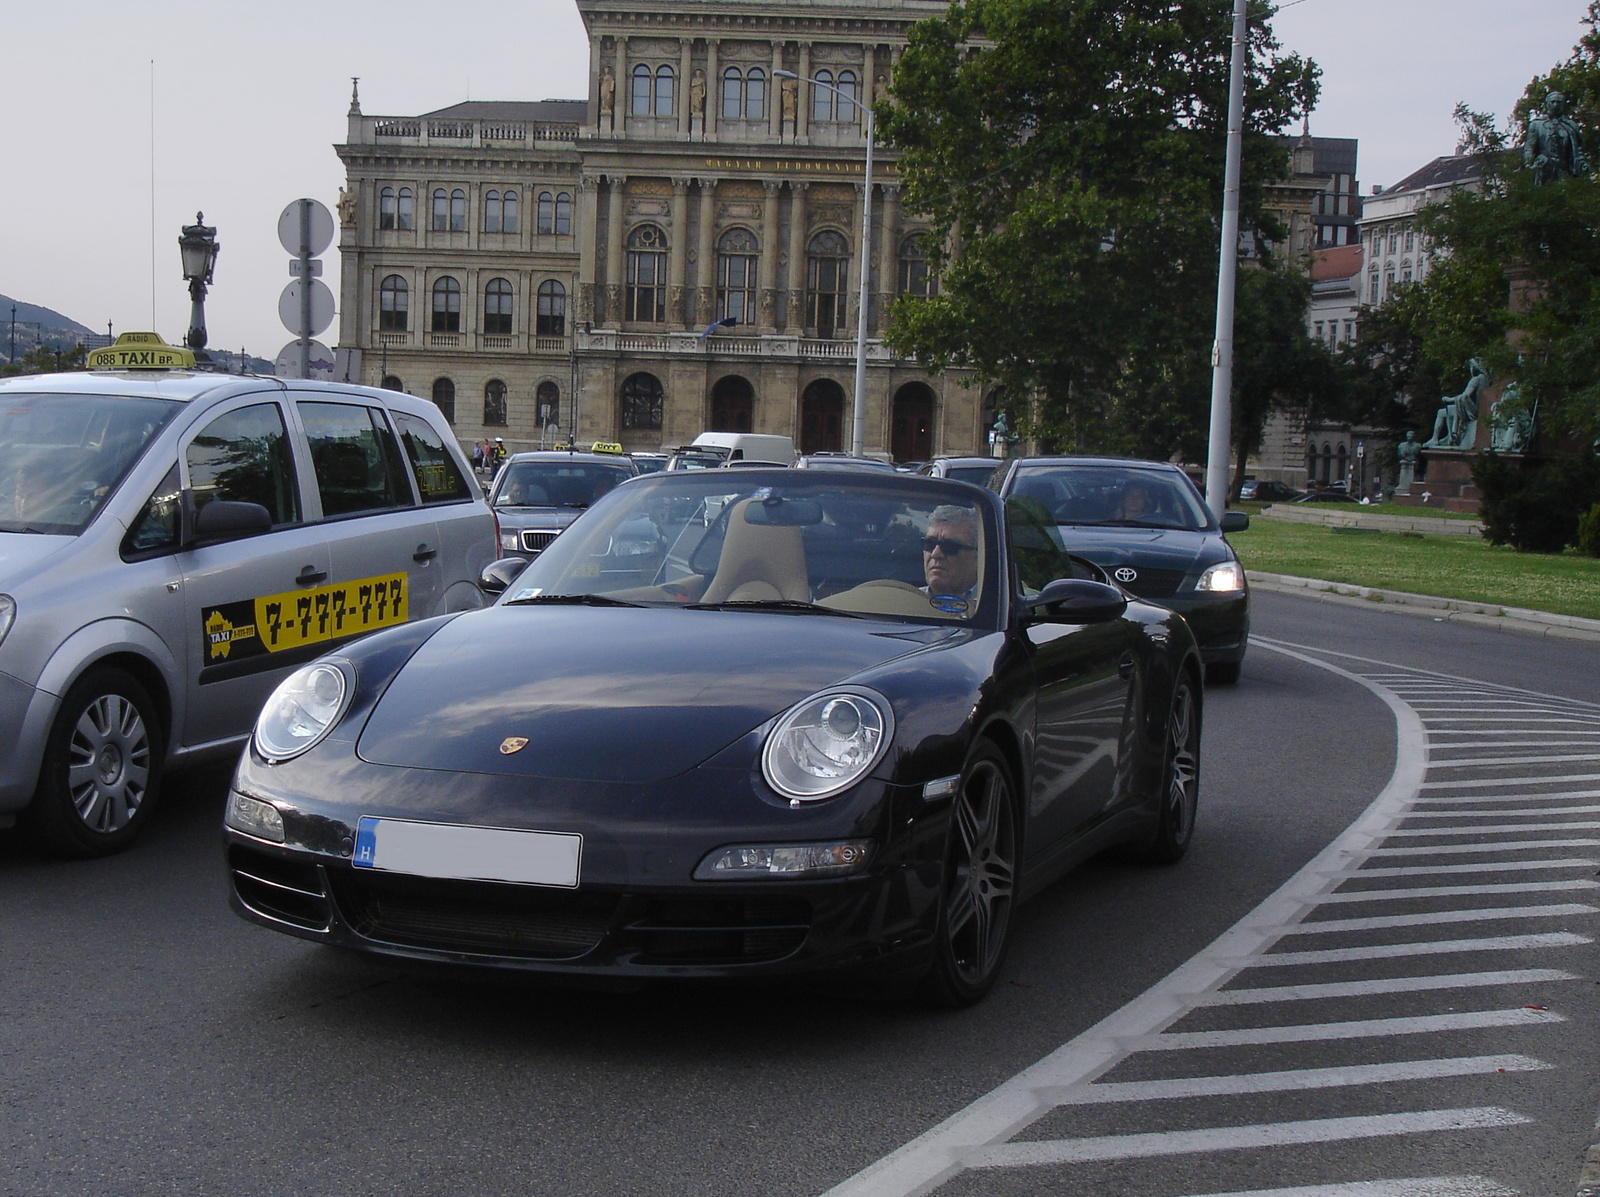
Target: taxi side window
[
  {"x": 439, "y": 479},
  {"x": 354, "y": 471},
  {"x": 244, "y": 457},
  {"x": 155, "y": 529},
  {"x": 1039, "y": 558}
]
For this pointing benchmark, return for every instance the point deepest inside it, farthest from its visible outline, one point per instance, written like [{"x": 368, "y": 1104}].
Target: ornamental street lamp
[
  {"x": 858, "y": 419},
  {"x": 198, "y": 246}
]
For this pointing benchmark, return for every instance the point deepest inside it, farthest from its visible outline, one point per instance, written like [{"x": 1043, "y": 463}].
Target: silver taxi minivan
[{"x": 173, "y": 543}]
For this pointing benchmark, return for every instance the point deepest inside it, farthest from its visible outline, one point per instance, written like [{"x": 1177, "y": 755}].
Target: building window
[
  {"x": 403, "y": 217},
  {"x": 394, "y": 304},
  {"x": 547, "y": 212},
  {"x": 449, "y": 210},
  {"x": 1373, "y": 290},
  {"x": 827, "y": 268},
  {"x": 444, "y": 398},
  {"x": 821, "y": 98},
  {"x": 641, "y": 90},
  {"x": 391, "y": 382},
  {"x": 563, "y": 213},
  {"x": 646, "y": 299},
  {"x": 441, "y": 210},
  {"x": 744, "y": 94},
  {"x": 552, "y": 317},
  {"x": 841, "y": 106},
  {"x": 1411, "y": 241},
  {"x": 1394, "y": 243},
  {"x": 641, "y": 402},
  {"x": 736, "y": 276},
  {"x": 458, "y": 211},
  {"x": 386, "y": 208},
  {"x": 1388, "y": 284},
  {"x": 494, "y": 404},
  {"x": 732, "y": 93},
  {"x": 1316, "y": 330},
  {"x": 547, "y": 404},
  {"x": 915, "y": 277},
  {"x": 653, "y": 90},
  {"x": 1349, "y": 330},
  {"x": 664, "y": 90},
  {"x": 500, "y": 211},
  {"x": 497, "y": 308},
  {"x": 446, "y": 306},
  {"x": 394, "y": 208}
]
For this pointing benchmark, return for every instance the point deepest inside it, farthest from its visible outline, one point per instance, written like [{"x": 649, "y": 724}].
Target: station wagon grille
[
  {"x": 537, "y": 542},
  {"x": 284, "y": 890},
  {"x": 1151, "y": 583}
]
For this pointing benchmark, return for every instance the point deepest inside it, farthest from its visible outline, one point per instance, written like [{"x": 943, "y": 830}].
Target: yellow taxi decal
[
  {"x": 276, "y": 622},
  {"x": 140, "y": 351}
]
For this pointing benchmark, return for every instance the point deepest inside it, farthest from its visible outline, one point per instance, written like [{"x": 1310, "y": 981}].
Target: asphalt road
[{"x": 150, "y": 1042}]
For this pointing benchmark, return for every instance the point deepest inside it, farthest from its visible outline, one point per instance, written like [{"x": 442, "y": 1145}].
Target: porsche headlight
[
  {"x": 1224, "y": 578},
  {"x": 302, "y": 710},
  {"x": 826, "y": 744}
]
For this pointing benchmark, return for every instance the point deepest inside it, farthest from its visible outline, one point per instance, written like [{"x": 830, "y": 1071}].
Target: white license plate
[{"x": 451, "y": 851}]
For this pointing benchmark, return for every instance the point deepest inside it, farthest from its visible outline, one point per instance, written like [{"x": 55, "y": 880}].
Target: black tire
[
  {"x": 1179, "y": 791},
  {"x": 1223, "y": 673},
  {"x": 102, "y": 767},
  {"x": 979, "y": 883}
]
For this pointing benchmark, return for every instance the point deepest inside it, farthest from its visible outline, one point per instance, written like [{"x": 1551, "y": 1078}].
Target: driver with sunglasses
[{"x": 950, "y": 552}]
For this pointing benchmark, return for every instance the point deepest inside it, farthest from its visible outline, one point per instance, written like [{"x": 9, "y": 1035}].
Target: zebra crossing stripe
[
  {"x": 1236, "y": 1138},
  {"x": 1498, "y": 761},
  {"x": 1444, "y": 799},
  {"x": 1292, "y": 1080},
  {"x": 1440, "y": 916},
  {"x": 1495, "y": 866},
  {"x": 1494, "y": 828},
  {"x": 1501, "y": 814},
  {"x": 1458, "y": 891},
  {"x": 1365, "y": 1028},
  {"x": 1335, "y": 989},
  {"x": 1417, "y": 1186},
  {"x": 1438, "y": 947},
  {"x": 1458, "y": 849}
]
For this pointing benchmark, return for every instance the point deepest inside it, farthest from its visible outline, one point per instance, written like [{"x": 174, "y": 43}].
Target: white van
[{"x": 748, "y": 446}]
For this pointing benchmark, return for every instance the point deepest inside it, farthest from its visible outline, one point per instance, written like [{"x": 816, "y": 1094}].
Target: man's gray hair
[{"x": 950, "y": 513}]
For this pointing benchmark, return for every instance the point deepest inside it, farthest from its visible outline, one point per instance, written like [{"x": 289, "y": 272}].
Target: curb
[
  {"x": 1356, "y": 517},
  {"x": 1483, "y": 615}
]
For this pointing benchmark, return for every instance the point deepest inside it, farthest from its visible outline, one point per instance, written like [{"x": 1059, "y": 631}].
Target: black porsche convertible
[{"x": 730, "y": 723}]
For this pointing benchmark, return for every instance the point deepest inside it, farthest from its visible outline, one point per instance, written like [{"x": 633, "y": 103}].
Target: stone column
[
  {"x": 775, "y": 94},
  {"x": 802, "y": 99},
  {"x": 681, "y": 93},
  {"x": 858, "y": 260},
  {"x": 677, "y": 254},
  {"x": 866, "y": 85},
  {"x": 713, "y": 86},
  {"x": 767, "y": 295},
  {"x": 797, "y": 256},
  {"x": 705, "y": 256},
  {"x": 594, "y": 84},
  {"x": 888, "y": 256},
  {"x": 615, "y": 268},
  {"x": 588, "y": 246},
  {"x": 624, "y": 94}
]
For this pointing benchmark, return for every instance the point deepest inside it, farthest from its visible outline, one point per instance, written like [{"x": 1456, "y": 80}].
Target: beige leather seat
[{"x": 759, "y": 561}]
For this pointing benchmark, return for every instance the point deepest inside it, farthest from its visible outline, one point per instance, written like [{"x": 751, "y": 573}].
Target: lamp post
[
  {"x": 198, "y": 247},
  {"x": 858, "y": 418}
]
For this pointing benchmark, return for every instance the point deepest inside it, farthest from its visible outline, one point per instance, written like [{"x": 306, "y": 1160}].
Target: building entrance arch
[
  {"x": 822, "y": 417},
  {"x": 732, "y": 405},
  {"x": 911, "y": 423}
]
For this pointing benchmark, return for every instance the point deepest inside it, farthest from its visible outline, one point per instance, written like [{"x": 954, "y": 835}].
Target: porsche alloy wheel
[
  {"x": 1180, "y": 777},
  {"x": 979, "y": 884}
]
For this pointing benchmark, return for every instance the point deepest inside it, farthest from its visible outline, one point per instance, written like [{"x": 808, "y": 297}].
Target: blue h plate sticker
[{"x": 366, "y": 843}]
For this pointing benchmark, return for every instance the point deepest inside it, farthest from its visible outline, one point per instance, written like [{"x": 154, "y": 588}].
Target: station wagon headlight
[
  {"x": 302, "y": 710},
  {"x": 8, "y": 615},
  {"x": 826, "y": 744},
  {"x": 1224, "y": 578}
]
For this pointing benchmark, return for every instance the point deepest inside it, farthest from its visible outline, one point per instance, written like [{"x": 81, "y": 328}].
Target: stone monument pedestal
[{"x": 1449, "y": 484}]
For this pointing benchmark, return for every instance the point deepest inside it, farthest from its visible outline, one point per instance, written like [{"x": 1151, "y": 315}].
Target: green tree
[
  {"x": 44, "y": 360},
  {"x": 1073, "y": 151}
]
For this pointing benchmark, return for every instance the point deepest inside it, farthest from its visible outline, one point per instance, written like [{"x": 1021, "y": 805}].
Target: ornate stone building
[{"x": 548, "y": 268}]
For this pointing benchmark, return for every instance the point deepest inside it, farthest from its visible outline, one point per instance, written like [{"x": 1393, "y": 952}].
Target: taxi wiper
[
  {"x": 778, "y": 604},
  {"x": 571, "y": 600}
]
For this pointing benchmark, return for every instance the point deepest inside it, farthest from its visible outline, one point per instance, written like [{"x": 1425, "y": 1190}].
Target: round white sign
[
  {"x": 319, "y": 227},
  {"x": 321, "y": 306},
  {"x": 320, "y": 365}
]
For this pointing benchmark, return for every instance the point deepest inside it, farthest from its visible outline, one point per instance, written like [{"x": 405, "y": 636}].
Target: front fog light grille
[
  {"x": 283, "y": 890},
  {"x": 709, "y": 931}
]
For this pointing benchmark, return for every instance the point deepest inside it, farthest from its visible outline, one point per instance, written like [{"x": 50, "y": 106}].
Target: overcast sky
[{"x": 248, "y": 99}]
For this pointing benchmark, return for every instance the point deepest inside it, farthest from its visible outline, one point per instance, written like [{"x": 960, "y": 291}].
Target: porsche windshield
[
  {"x": 61, "y": 455},
  {"x": 1115, "y": 496},
  {"x": 898, "y": 548}
]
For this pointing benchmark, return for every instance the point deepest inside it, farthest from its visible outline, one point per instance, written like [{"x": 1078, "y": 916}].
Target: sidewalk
[
  {"x": 1352, "y": 515},
  {"x": 1483, "y": 615}
]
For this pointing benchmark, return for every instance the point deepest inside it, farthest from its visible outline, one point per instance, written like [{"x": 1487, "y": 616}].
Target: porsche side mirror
[
  {"x": 1075, "y": 600},
  {"x": 498, "y": 575},
  {"x": 1235, "y": 521}
]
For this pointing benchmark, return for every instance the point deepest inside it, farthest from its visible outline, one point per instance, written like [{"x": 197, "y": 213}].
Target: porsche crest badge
[{"x": 513, "y": 744}]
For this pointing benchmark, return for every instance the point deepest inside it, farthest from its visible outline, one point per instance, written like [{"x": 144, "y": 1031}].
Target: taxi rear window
[{"x": 439, "y": 479}]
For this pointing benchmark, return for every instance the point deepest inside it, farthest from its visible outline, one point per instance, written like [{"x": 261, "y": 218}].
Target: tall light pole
[
  {"x": 858, "y": 418},
  {"x": 198, "y": 247},
  {"x": 1218, "y": 474}
]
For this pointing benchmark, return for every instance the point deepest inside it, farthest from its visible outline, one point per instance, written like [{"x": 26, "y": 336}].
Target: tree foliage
[
  {"x": 1072, "y": 151},
  {"x": 44, "y": 360}
]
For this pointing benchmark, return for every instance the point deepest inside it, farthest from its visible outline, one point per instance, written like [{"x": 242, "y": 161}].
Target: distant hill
[{"x": 48, "y": 321}]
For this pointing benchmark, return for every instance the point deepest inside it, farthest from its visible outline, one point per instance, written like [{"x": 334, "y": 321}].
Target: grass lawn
[{"x": 1458, "y": 567}]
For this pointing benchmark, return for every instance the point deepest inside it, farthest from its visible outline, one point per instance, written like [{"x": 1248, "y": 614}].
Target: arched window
[
  {"x": 755, "y": 94},
  {"x": 494, "y": 404},
  {"x": 446, "y": 305},
  {"x": 846, "y": 113},
  {"x": 915, "y": 277},
  {"x": 458, "y": 211},
  {"x": 547, "y": 212},
  {"x": 736, "y": 278},
  {"x": 641, "y": 90},
  {"x": 646, "y": 298},
  {"x": 497, "y": 308},
  {"x": 827, "y": 269},
  {"x": 386, "y": 208},
  {"x": 551, "y": 320},
  {"x": 563, "y": 212},
  {"x": 499, "y": 211},
  {"x": 821, "y": 97},
  {"x": 1343, "y": 461},
  {"x": 394, "y": 304},
  {"x": 508, "y": 212},
  {"x": 403, "y": 217},
  {"x": 491, "y": 211},
  {"x": 444, "y": 398},
  {"x": 732, "y": 93},
  {"x": 391, "y": 382},
  {"x": 547, "y": 404},
  {"x": 1327, "y": 462},
  {"x": 732, "y": 405},
  {"x": 641, "y": 402},
  {"x": 441, "y": 211},
  {"x": 664, "y": 90}
]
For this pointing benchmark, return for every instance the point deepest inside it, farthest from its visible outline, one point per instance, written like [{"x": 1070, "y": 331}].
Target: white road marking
[
  {"x": 1442, "y": 799},
  {"x": 1509, "y": 781},
  {"x": 1420, "y": 1186},
  {"x": 1435, "y": 917},
  {"x": 1493, "y": 866},
  {"x": 1363, "y": 1028},
  {"x": 1435, "y": 947},
  {"x": 1498, "y": 829},
  {"x": 1336, "y": 989},
  {"x": 1502, "y": 814},
  {"x": 1454, "y": 891},
  {"x": 1508, "y": 846},
  {"x": 1236, "y": 1138},
  {"x": 1498, "y": 761},
  {"x": 1292, "y": 1080}
]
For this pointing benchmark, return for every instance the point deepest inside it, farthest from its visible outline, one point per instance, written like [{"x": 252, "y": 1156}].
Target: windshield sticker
[
  {"x": 950, "y": 604},
  {"x": 276, "y": 622}
]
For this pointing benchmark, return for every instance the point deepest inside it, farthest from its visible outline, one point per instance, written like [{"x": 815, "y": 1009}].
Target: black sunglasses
[{"x": 950, "y": 547}]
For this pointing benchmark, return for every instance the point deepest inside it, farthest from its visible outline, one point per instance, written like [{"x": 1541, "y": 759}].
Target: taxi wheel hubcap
[
  {"x": 108, "y": 763},
  {"x": 1184, "y": 770},
  {"x": 984, "y": 868}
]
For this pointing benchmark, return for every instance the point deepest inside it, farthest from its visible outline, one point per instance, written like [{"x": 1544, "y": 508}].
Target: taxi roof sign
[
  {"x": 141, "y": 351},
  {"x": 606, "y": 447}
]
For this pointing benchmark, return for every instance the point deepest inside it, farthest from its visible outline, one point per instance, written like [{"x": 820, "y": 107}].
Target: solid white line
[
  {"x": 1293, "y": 1081},
  {"x": 1362, "y": 1028},
  {"x": 1237, "y": 1138},
  {"x": 1497, "y": 761},
  {"x": 1495, "y": 866},
  {"x": 1442, "y": 800},
  {"x": 1484, "y": 783},
  {"x": 1506, "y": 846},
  {"x": 1432, "y": 947},
  {"x": 1336, "y": 989},
  {"x": 1488, "y": 914},
  {"x": 1504, "y": 814},
  {"x": 1419, "y": 1186},
  {"x": 1508, "y": 719},
  {"x": 1454, "y": 891},
  {"x": 1508, "y": 828}
]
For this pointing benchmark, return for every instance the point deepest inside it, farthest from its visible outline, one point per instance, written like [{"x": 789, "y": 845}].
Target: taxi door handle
[
  {"x": 311, "y": 575},
  {"x": 424, "y": 553}
]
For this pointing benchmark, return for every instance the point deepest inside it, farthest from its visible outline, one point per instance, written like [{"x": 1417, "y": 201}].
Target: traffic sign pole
[{"x": 305, "y": 290}]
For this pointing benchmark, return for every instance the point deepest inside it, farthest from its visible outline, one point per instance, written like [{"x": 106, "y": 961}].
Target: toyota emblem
[{"x": 1126, "y": 574}]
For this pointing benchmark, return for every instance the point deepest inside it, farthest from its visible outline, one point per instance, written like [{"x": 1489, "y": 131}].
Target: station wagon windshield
[{"x": 1111, "y": 496}]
